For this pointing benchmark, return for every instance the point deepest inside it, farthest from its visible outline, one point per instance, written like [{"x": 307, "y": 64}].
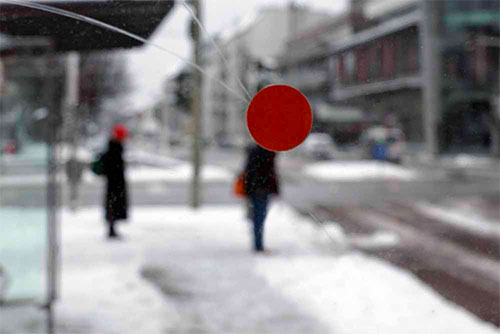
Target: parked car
[
  {"x": 236, "y": 142},
  {"x": 318, "y": 146}
]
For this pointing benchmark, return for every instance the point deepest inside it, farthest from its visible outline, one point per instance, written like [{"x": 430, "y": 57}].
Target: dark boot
[{"x": 112, "y": 232}]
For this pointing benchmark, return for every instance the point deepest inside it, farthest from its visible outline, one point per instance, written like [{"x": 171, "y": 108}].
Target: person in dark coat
[
  {"x": 261, "y": 181},
  {"x": 116, "y": 200}
]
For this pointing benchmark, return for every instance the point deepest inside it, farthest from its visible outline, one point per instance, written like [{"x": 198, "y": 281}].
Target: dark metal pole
[
  {"x": 2, "y": 88},
  {"x": 52, "y": 201},
  {"x": 50, "y": 319}
]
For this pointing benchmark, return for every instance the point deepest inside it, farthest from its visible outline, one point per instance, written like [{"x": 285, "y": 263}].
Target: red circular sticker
[{"x": 279, "y": 118}]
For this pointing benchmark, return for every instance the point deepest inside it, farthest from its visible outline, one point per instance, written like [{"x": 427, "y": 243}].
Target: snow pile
[
  {"x": 464, "y": 219},
  {"x": 358, "y": 170},
  {"x": 334, "y": 237},
  {"x": 143, "y": 157},
  {"x": 467, "y": 160},
  {"x": 181, "y": 173},
  {"x": 202, "y": 262}
]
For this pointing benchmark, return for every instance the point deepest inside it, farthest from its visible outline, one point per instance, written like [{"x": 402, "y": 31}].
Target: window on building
[
  {"x": 350, "y": 66},
  {"x": 388, "y": 57},
  {"x": 362, "y": 66},
  {"x": 375, "y": 60},
  {"x": 402, "y": 53},
  {"x": 341, "y": 75},
  {"x": 493, "y": 59}
]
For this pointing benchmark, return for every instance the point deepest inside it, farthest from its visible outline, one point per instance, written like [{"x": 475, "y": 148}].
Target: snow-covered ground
[
  {"x": 467, "y": 160},
  {"x": 152, "y": 159},
  {"x": 469, "y": 220},
  {"x": 358, "y": 170},
  {"x": 201, "y": 260},
  {"x": 181, "y": 172}
]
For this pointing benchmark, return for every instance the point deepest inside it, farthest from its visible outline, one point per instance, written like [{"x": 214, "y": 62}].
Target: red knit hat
[{"x": 119, "y": 132}]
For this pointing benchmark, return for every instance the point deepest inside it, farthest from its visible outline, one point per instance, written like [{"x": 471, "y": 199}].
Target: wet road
[{"x": 461, "y": 265}]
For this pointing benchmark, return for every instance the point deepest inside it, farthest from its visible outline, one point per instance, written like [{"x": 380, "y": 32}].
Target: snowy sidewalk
[
  {"x": 178, "y": 270},
  {"x": 180, "y": 173}
]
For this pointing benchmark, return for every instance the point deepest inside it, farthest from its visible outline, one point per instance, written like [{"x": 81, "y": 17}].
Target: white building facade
[{"x": 250, "y": 51}]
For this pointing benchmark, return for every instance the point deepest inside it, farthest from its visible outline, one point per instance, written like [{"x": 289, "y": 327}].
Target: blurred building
[
  {"x": 377, "y": 67},
  {"x": 250, "y": 50},
  {"x": 24, "y": 94},
  {"x": 432, "y": 65},
  {"x": 307, "y": 65},
  {"x": 470, "y": 66},
  {"x": 34, "y": 45},
  {"x": 174, "y": 120}
]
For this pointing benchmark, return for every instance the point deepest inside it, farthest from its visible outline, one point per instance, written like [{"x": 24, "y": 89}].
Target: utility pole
[
  {"x": 3, "y": 89},
  {"x": 196, "y": 105},
  {"x": 72, "y": 97},
  {"x": 71, "y": 123}
]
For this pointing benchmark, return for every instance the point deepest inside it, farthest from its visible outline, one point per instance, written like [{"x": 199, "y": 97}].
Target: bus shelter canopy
[{"x": 140, "y": 17}]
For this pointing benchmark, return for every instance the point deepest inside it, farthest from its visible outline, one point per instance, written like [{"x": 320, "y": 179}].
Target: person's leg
[
  {"x": 249, "y": 208},
  {"x": 112, "y": 232},
  {"x": 73, "y": 191},
  {"x": 259, "y": 216}
]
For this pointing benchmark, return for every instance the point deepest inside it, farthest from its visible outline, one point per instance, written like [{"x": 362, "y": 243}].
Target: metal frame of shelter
[{"x": 30, "y": 31}]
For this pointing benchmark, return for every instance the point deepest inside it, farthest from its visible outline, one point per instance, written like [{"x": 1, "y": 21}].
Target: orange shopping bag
[{"x": 239, "y": 186}]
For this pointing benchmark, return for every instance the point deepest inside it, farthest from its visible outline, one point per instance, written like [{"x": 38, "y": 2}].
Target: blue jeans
[{"x": 259, "y": 205}]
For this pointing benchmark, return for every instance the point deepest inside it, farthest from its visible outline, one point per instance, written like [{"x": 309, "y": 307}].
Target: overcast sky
[{"x": 149, "y": 67}]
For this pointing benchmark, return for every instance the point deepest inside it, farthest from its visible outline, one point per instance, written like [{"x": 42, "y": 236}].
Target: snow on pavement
[
  {"x": 358, "y": 170},
  {"x": 154, "y": 159},
  {"x": 211, "y": 282},
  {"x": 465, "y": 219},
  {"x": 179, "y": 173}
]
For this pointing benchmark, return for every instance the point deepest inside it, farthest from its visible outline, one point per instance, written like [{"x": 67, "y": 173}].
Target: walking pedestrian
[
  {"x": 116, "y": 200},
  {"x": 261, "y": 181},
  {"x": 74, "y": 172}
]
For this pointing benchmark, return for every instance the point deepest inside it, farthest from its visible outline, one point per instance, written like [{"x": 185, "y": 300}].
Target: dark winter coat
[
  {"x": 261, "y": 177},
  {"x": 116, "y": 200}
]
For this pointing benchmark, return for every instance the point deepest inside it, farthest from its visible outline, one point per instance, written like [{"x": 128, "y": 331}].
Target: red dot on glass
[{"x": 279, "y": 118}]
